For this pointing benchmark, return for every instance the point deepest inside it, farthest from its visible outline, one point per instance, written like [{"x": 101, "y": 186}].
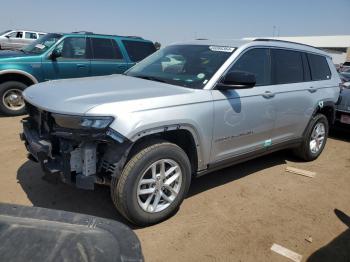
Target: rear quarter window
[
  {"x": 319, "y": 67},
  {"x": 138, "y": 50}
]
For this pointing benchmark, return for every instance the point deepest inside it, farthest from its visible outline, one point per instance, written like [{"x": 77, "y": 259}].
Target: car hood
[
  {"x": 12, "y": 53},
  {"x": 77, "y": 96}
]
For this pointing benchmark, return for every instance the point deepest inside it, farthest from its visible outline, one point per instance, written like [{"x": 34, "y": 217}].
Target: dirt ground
[{"x": 232, "y": 215}]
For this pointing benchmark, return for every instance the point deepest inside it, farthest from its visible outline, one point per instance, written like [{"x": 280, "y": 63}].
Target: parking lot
[{"x": 232, "y": 215}]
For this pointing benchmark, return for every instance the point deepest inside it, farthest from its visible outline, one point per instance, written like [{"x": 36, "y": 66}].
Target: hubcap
[
  {"x": 13, "y": 100},
  {"x": 317, "y": 137},
  {"x": 159, "y": 185}
]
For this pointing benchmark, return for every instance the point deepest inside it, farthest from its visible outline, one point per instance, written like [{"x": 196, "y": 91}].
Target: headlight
[
  {"x": 82, "y": 122},
  {"x": 96, "y": 122}
]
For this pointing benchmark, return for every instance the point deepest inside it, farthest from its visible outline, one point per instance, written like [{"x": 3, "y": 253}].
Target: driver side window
[
  {"x": 255, "y": 61},
  {"x": 17, "y": 34},
  {"x": 72, "y": 48}
]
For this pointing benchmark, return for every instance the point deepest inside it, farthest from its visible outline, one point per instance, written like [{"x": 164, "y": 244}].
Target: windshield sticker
[
  {"x": 40, "y": 46},
  {"x": 222, "y": 49},
  {"x": 200, "y": 75}
]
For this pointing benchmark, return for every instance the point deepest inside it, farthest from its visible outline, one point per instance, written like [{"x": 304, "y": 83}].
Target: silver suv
[
  {"x": 17, "y": 39},
  {"x": 186, "y": 110}
]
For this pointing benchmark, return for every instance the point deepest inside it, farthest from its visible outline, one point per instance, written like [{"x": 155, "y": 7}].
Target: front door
[
  {"x": 14, "y": 40},
  {"x": 244, "y": 118},
  {"x": 107, "y": 58},
  {"x": 73, "y": 61}
]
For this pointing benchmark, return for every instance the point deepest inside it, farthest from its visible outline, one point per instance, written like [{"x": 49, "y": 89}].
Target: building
[{"x": 338, "y": 46}]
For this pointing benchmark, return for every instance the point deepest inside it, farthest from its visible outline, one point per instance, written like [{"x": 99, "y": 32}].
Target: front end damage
[{"x": 81, "y": 156}]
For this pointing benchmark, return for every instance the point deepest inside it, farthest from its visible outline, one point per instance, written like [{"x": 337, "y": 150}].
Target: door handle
[
  {"x": 312, "y": 89},
  {"x": 81, "y": 65},
  {"x": 122, "y": 67},
  {"x": 268, "y": 94}
]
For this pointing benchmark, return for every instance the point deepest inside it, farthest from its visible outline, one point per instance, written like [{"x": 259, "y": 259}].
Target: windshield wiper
[{"x": 152, "y": 78}]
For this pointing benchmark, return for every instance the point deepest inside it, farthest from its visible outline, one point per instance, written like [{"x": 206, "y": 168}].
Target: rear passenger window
[
  {"x": 103, "y": 48},
  {"x": 30, "y": 35},
  {"x": 138, "y": 50},
  {"x": 319, "y": 67},
  {"x": 257, "y": 62},
  {"x": 287, "y": 66}
]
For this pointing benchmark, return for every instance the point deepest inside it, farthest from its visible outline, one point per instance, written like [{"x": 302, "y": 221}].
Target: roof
[
  {"x": 218, "y": 42},
  {"x": 257, "y": 42},
  {"x": 91, "y": 33},
  {"x": 333, "y": 41},
  {"x": 26, "y": 30}
]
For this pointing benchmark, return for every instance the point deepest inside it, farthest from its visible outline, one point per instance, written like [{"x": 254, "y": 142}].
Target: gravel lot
[{"x": 232, "y": 215}]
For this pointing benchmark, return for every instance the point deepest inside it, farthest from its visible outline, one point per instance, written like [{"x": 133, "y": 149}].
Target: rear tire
[
  {"x": 11, "y": 99},
  {"x": 143, "y": 173},
  {"x": 314, "y": 140}
]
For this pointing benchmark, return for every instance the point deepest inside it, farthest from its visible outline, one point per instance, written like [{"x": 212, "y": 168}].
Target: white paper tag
[
  {"x": 40, "y": 46},
  {"x": 222, "y": 49}
]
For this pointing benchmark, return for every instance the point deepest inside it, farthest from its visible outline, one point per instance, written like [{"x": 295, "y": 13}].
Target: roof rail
[
  {"x": 133, "y": 36},
  {"x": 282, "y": 41},
  {"x": 83, "y": 32}
]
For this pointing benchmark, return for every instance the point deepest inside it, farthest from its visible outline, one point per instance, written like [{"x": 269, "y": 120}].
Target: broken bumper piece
[{"x": 80, "y": 158}]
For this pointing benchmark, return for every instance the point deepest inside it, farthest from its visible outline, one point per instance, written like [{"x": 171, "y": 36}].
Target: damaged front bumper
[{"x": 80, "y": 157}]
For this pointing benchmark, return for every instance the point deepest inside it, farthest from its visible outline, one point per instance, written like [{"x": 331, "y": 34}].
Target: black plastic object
[{"x": 40, "y": 234}]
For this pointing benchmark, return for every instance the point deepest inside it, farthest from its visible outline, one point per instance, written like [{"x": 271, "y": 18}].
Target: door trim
[{"x": 250, "y": 155}]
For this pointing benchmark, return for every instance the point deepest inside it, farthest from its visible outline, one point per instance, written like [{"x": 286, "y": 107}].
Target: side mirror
[
  {"x": 237, "y": 80},
  {"x": 55, "y": 54}
]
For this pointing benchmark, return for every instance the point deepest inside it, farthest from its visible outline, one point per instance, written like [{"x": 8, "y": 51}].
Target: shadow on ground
[
  {"x": 340, "y": 133},
  {"x": 50, "y": 192},
  {"x": 338, "y": 249}
]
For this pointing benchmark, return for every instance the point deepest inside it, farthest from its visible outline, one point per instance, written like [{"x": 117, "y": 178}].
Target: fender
[
  {"x": 20, "y": 72},
  {"x": 162, "y": 129}
]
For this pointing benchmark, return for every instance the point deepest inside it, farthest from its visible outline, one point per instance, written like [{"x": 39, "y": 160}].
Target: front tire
[
  {"x": 11, "y": 99},
  {"x": 153, "y": 184},
  {"x": 314, "y": 140}
]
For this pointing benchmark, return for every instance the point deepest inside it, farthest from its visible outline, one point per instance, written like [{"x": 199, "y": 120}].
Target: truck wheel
[
  {"x": 314, "y": 140},
  {"x": 153, "y": 184},
  {"x": 11, "y": 99}
]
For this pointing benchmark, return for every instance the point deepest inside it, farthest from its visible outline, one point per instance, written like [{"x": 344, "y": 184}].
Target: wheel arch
[
  {"x": 181, "y": 135},
  {"x": 328, "y": 109},
  {"x": 17, "y": 75}
]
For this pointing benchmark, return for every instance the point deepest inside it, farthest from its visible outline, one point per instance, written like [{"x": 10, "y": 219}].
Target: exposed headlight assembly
[{"x": 82, "y": 122}]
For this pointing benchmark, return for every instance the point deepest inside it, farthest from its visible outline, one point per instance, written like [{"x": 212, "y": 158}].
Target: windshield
[
  {"x": 4, "y": 32},
  {"x": 184, "y": 65},
  {"x": 42, "y": 44}
]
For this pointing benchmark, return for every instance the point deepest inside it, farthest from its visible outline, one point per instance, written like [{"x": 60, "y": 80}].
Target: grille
[{"x": 40, "y": 120}]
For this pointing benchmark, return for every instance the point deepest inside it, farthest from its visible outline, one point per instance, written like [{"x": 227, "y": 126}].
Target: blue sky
[{"x": 172, "y": 21}]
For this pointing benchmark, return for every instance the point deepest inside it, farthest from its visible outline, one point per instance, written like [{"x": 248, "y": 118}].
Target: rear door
[
  {"x": 294, "y": 98},
  {"x": 106, "y": 57},
  {"x": 29, "y": 37},
  {"x": 73, "y": 62}
]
